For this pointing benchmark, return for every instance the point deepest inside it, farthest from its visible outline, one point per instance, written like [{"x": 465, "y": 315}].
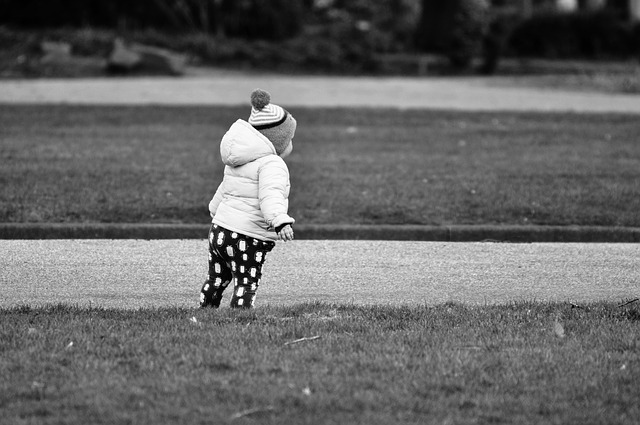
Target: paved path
[
  {"x": 136, "y": 273},
  {"x": 228, "y": 88}
]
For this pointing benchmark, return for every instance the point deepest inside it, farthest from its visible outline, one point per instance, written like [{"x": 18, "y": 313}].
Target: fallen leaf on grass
[
  {"x": 249, "y": 412},
  {"x": 629, "y": 302},
  {"x": 469, "y": 347},
  {"x": 559, "y": 330},
  {"x": 311, "y": 338},
  {"x": 38, "y": 389}
]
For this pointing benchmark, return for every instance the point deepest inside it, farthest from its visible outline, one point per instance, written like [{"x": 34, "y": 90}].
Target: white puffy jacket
[{"x": 253, "y": 196}]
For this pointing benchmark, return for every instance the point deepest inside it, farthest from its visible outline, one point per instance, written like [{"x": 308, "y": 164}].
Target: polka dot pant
[{"x": 237, "y": 258}]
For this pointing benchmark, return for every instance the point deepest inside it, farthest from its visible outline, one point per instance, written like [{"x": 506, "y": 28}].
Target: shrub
[
  {"x": 390, "y": 24},
  {"x": 339, "y": 47},
  {"x": 454, "y": 28},
  {"x": 592, "y": 35},
  {"x": 328, "y": 36},
  {"x": 259, "y": 19},
  {"x": 469, "y": 25},
  {"x": 273, "y": 19}
]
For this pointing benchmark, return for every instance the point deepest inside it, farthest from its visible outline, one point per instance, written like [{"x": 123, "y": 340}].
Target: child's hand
[{"x": 286, "y": 233}]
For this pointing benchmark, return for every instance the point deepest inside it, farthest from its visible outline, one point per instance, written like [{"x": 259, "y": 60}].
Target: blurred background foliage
[{"x": 328, "y": 36}]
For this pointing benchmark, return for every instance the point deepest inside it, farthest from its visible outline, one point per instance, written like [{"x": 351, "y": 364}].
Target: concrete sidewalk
[{"x": 229, "y": 88}]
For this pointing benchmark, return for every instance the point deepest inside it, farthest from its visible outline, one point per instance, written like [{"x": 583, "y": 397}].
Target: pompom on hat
[{"x": 273, "y": 121}]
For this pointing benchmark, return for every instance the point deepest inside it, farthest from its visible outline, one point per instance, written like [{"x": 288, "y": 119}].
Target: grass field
[
  {"x": 350, "y": 166},
  {"x": 525, "y": 363}
]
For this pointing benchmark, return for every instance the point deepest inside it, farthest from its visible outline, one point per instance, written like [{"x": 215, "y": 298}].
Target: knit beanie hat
[{"x": 273, "y": 121}]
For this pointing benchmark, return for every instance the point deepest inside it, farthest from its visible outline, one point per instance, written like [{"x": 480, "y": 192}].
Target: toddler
[{"x": 249, "y": 209}]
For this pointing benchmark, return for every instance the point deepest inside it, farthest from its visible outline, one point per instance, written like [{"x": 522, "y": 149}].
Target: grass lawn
[
  {"x": 349, "y": 166},
  {"x": 525, "y": 363}
]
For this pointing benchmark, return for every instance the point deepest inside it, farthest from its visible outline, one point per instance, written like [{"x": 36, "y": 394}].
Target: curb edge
[{"x": 453, "y": 233}]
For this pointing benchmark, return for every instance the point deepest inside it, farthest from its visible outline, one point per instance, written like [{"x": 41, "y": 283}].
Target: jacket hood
[{"x": 242, "y": 144}]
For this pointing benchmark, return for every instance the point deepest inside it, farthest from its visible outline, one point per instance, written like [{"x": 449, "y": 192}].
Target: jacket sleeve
[
  {"x": 215, "y": 201},
  {"x": 273, "y": 192}
]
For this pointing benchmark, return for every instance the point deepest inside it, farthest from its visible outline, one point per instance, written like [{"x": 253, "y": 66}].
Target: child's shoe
[
  {"x": 242, "y": 298},
  {"x": 210, "y": 296}
]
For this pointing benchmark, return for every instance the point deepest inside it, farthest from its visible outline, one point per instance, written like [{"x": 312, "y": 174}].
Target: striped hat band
[{"x": 269, "y": 116}]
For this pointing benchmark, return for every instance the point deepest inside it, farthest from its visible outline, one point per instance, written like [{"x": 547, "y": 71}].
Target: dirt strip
[
  {"x": 229, "y": 88},
  {"x": 135, "y": 273}
]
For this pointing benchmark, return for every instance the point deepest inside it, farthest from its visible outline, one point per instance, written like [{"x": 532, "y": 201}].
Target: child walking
[{"x": 250, "y": 208}]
